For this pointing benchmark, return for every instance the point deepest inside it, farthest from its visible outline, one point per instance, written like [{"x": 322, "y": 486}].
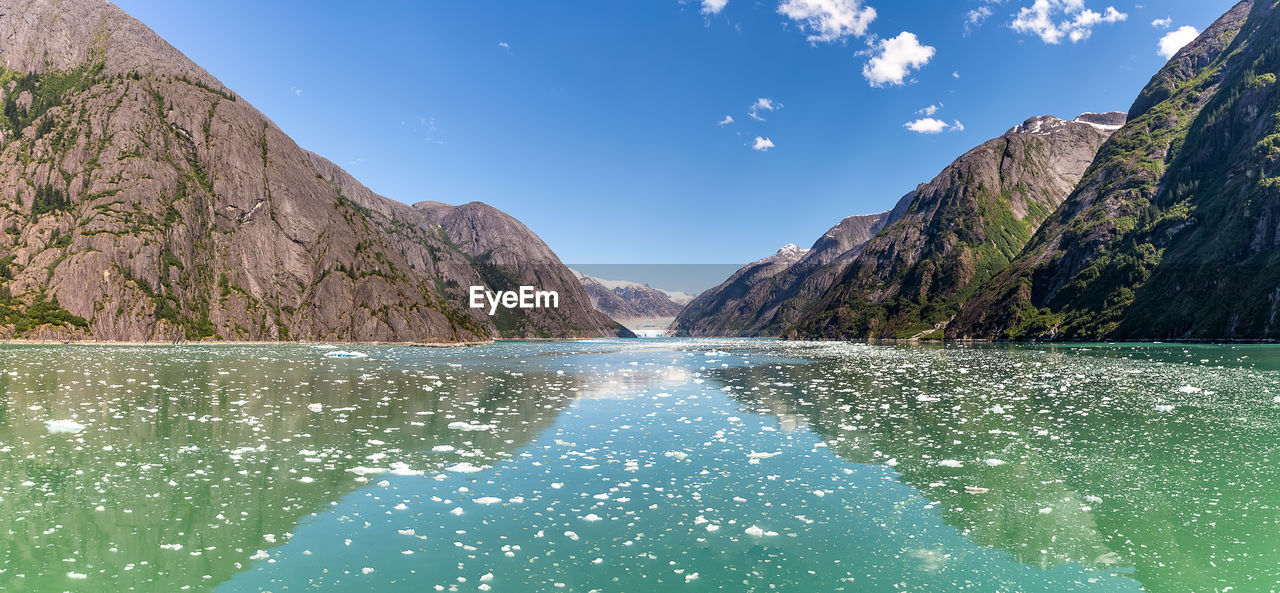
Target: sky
[{"x": 670, "y": 131}]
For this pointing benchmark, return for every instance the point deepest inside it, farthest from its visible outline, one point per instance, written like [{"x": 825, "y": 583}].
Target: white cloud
[
  {"x": 504, "y": 45},
  {"x": 297, "y": 91},
  {"x": 728, "y": 119},
  {"x": 762, "y": 104},
  {"x": 893, "y": 59},
  {"x": 1053, "y": 20},
  {"x": 974, "y": 18},
  {"x": 955, "y": 74},
  {"x": 930, "y": 125},
  {"x": 1176, "y": 40},
  {"x": 829, "y": 20},
  {"x": 930, "y": 110},
  {"x": 1163, "y": 23},
  {"x": 762, "y": 144},
  {"x": 713, "y": 6}
]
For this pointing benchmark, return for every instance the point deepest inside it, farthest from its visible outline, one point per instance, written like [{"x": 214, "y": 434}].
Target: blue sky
[{"x": 598, "y": 123}]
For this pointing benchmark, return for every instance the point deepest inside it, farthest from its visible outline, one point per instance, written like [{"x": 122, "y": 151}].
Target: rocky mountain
[
  {"x": 1173, "y": 233},
  {"x": 959, "y": 230},
  {"x": 766, "y": 297},
  {"x": 143, "y": 200},
  {"x": 626, "y": 301}
]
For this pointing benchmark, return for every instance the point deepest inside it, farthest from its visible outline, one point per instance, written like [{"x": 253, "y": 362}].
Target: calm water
[{"x": 611, "y": 466}]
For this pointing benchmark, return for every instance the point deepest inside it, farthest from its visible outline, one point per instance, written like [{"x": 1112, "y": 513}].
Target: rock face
[
  {"x": 506, "y": 254},
  {"x": 1173, "y": 233},
  {"x": 142, "y": 200},
  {"x": 959, "y": 230},
  {"x": 765, "y": 297},
  {"x": 626, "y": 301}
]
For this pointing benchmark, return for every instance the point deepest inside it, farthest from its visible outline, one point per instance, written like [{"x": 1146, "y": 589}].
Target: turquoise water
[{"x": 681, "y": 465}]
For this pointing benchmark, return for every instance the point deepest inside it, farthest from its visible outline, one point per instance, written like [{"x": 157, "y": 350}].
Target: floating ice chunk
[
  {"x": 1093, "y": 499},
  {"x": 457, "y": 511},
  {"x": 1164, "y": 407},
  {"x": 366, "y": 570},
  {"x": 323, "y": 347},
  {"x": 345, "y": 354},
  {"x": 1046, "y": 510},
  {"x": 995, "y": 462},
  {"x": 976, "y": 490},
  {"x": 1189, "y": 389},
  {"x": 401, "y": 468},
  {"x": 712, "y": 527},
  {"x": 464, "y": 468},
  {"x": 997, "y": 409},
  {"x": 950, "y": 463},
  {"x": 677, "y": 455},
  {"x": 77, "y": 575},
  {"x": 63, "y": 426},
  {"x": 591, "y": 517},
  {"x": 315, "y": 407},
  {"x": 693, "y": 576},
  {"x": 467, "y": 426},
  {"x": 442, "y": 448},
  {"x": 486, "y": 578},
  {"x": 260, "y": 555},
  {"x": 572, "y": 535},
  {"x": 400, "y": 507},
  {"x": 757, "y": 531},
  {"x": 306, "y": 479},
  {"x": 174, "y": 547},
  {"x": 487, "y": 500}
]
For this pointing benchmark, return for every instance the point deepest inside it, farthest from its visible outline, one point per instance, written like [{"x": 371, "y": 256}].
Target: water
[{"x": 667, "y": 465}]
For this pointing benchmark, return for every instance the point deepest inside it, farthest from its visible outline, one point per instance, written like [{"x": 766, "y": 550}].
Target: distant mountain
[
  {"x": 1175, "y": 231},
  {"x": 959, "y": 230},
  {"x": 766, "y": 297},
  {"x": 141, "y": 199},
  {"x": 626, "y": 301}
]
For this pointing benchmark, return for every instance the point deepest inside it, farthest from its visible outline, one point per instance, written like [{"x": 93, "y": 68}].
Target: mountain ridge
[
  {"x": 1113, "y": 262},
  {"x": 143, "y": 200}
]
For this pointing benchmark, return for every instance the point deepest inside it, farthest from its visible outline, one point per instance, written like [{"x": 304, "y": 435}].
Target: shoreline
[{"x": 23, "y": 342}]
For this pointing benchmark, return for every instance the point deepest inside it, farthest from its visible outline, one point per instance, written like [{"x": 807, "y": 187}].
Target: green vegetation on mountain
[
  {"x": 961, "y": 230},
  {"x": 1172, "y": 234}
]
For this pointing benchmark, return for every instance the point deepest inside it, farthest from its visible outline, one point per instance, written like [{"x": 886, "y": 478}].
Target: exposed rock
[
  {"x": 626, "y": 301},
  {"x": 143, "y": 200},
  {"x": 959, "y": 230},
  {"x": 767, "y": 296},
  {"x": 1173, "y": 233}
]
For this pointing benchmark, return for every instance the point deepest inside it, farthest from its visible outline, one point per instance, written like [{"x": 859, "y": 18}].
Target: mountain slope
[
  {"x": 630, "y": 300},
  {"x": 506, "y": 255},
  {"x": 960, "y": 229},
  {"x": 1172, "y": 233},
  {"x": 142, "y": 200},
  {"x": 764, "y": 298}
]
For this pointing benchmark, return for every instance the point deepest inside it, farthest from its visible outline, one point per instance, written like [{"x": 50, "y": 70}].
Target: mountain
[
  {"x": 623, "y": 300},
  {"x": 767, "y": 296},
  {"x": 959, "y": 230},
  {"x": 1173, "y": 233},
  {"x": 143, "y": 200}
]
